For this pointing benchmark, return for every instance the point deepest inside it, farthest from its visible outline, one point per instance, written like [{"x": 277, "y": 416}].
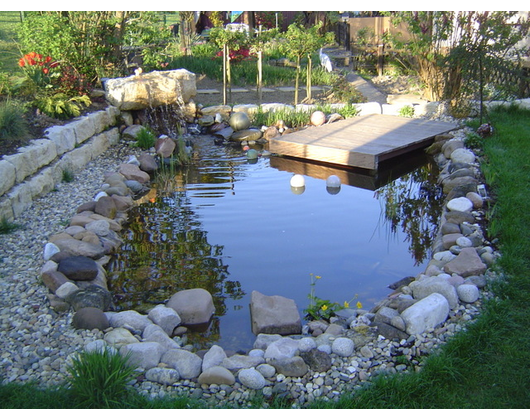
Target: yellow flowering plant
[{"x": 323, "y": 308}]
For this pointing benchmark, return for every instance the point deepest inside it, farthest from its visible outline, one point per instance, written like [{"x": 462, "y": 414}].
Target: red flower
[
  {"x": 45, "y": 70},
  {"x": 22, "y": 62}
]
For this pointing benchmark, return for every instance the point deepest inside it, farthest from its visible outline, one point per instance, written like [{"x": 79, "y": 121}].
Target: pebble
[{"x": 37, "y": 343}]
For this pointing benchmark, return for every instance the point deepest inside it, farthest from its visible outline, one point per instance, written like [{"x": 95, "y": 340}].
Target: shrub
[{"x": 406, "y": 111}]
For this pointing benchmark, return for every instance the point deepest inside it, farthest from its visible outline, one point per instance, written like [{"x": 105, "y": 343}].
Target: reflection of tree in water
[
  {"x": 166, "y": 251},
  {"x": 414, "y": 203}
]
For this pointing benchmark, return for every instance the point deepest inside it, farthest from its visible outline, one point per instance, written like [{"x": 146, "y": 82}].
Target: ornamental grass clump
[
  {"x": 13, "y": 125},
  {"x": 100, "y": 379}
]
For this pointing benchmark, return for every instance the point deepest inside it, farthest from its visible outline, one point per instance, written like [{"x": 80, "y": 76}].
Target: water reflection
[{"x": 231, "y": 226}]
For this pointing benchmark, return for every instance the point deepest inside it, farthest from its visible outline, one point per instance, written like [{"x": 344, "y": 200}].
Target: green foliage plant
[
  {"x": 8, "y": 227},
  {"x": 13, "y": 125},
  {"x": 145, "y": 139},
  {"x": 61, "y": 105},
  {"x": 99, "y": 379},
  {"x": 68, "y": 176},
  {"x": 406, "y": 111}
]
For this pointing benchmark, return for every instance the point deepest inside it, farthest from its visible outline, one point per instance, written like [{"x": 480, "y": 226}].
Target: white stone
[
  {"x": 426, "y": 313},
  {"x": 144, "y": 355},
  {"x": 306, "y": 344},
  {"x": 463, "y": 156},
  {"x": 460, "y": 204},
  {"x": 251, "y": 378},
  {"x": 66, "y": 289},
  {"x": 188, "y": 364},
  {"x": 428, "y": 285},
  {"x": 119, "y": 337},
  {"x": 50, "y": 249},
  {"x": 343, "y": 347},
  {"x": 369, "y": 108},
  {"x": 162, "y": 376},
  {"x": 213, "y": 357},
  {"x": 468, "y": 293},
  {"x": 7, "y": 176},
  {"x": 464, "y": 242},
  {"x": 281, "y": 349},
  {"x": 165, "y": 317}
]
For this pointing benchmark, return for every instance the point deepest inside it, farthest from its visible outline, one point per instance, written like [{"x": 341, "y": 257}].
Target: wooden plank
[{"x": 360, "y": 141}]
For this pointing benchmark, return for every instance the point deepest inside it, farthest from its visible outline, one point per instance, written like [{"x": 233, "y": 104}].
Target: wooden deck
[{"x": 362, "y": 142}]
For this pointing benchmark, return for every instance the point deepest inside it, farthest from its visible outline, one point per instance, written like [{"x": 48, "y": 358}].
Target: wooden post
[
  {"x": 308, "y": 84},
  {"x": 224, "y": 74},
  {"x": 260, "y": 76}
]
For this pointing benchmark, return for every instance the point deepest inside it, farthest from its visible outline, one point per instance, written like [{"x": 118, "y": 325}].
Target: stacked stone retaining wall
[{"x": 37, "y": 168}]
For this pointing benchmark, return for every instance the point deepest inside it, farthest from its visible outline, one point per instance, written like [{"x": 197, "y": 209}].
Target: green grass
[
  {"x": 9, "y": 53},
  {"x": 8, "y": 227}
]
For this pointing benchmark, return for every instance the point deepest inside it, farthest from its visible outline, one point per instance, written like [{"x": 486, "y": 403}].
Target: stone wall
[{"x": 36, "y": 169}]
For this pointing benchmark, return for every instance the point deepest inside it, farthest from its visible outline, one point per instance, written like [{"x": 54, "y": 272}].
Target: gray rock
[
  {"x": 251, "y": 378},
  {"x": 66, "y": 290},
  {"x": 92, "y": 296},
  {"x": 274, "y": 315},
  {"x": 239, "y": 361},
  {"x": 90, "y": 319},
  {"x": 213, "y": 357},
  {"x": 216, "y": 375},
  {"x": 306, "y": 344},
  {"x": 468, "y": 293},
  {"x": 194, "y": 306},
  {"x": 317, "y": 360},
  {"x": 389, "y": 331},
  {"x": 293, "y": 366},
  {"x": 251, "y": 134},
  {"x": 460, "y": 204},
  {"x": 165, "y": 317},
  {"x": 283, "y": 348},
  {"x": 78, "y": 268},
  {"x": 188, "y": 364},
  {"x": 162, "y": 338},
  {"x": 119, "y": 337},
  {"x": 264, "y": 340},
  {"x": 343, "y": 347},
  {"x": 428, "y": 285},
  {"x": 50, "y": 250},
  {"x": 162, "y": 376},
  {"x": 268, "y": 371},
  {"x": 143, "y": 355},
  {"x": 129, "y": 319},
  {"x": 385, "y": 314}
]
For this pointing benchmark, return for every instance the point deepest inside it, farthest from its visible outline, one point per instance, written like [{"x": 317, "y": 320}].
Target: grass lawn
[{"x": 9, "y": 53}]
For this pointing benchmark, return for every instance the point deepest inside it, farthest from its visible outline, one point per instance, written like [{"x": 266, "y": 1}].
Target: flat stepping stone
[{"x": 207, "y": 91}]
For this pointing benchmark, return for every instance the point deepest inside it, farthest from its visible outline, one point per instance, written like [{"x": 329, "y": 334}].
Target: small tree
[
  {"x": 258, "y": 44},
  {"x": 227, "y": 40},
  {"x": 451, "y": 49},
  {"x": 301, "y": 42}
]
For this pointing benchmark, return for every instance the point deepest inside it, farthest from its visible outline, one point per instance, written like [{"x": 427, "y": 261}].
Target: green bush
[
  {"x": 7, "y": 227},
  {"x": 406, "y": 111}
]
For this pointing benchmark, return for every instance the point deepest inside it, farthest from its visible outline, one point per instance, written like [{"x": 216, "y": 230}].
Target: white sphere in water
[
  {"x": 333, "y": 181},
  {"x": 297, "y": 181}
]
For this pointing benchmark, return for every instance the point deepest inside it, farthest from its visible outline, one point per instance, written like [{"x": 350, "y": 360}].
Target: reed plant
[
  {"x": 13, "y": 125},
  {"x": 100, "y": 379}
]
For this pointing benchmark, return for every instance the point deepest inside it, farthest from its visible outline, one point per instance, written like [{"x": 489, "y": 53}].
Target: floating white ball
[
  {"x": 297, "y": 181},
  {"x": 333, "y": 181}
]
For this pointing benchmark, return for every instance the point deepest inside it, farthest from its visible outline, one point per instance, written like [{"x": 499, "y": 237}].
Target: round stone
[
  {"x": 467, "y": 293},
  {"x": 318, "y": 118},
  {"x": 343, "y": 347},
  {"x": 89, "y": 319},
  {"x": 462, "y": 204},
  {"x": 239, "y": 121},
  {"x": 464, "y": 242}
]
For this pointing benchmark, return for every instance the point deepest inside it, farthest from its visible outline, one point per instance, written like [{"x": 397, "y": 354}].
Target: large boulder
[
  {"x": 274, "y": 315},
  {"x": 150, "y": 90},
  {"x": 194, "y": 306},
  {"x": 426, "y": 313}
]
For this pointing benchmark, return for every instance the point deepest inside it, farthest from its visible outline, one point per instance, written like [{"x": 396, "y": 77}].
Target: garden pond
[{"x": 232, "y": 225}]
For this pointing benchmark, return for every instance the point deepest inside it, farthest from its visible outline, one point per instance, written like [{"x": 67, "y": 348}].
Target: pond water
[{"x": 232, "y": 226}]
